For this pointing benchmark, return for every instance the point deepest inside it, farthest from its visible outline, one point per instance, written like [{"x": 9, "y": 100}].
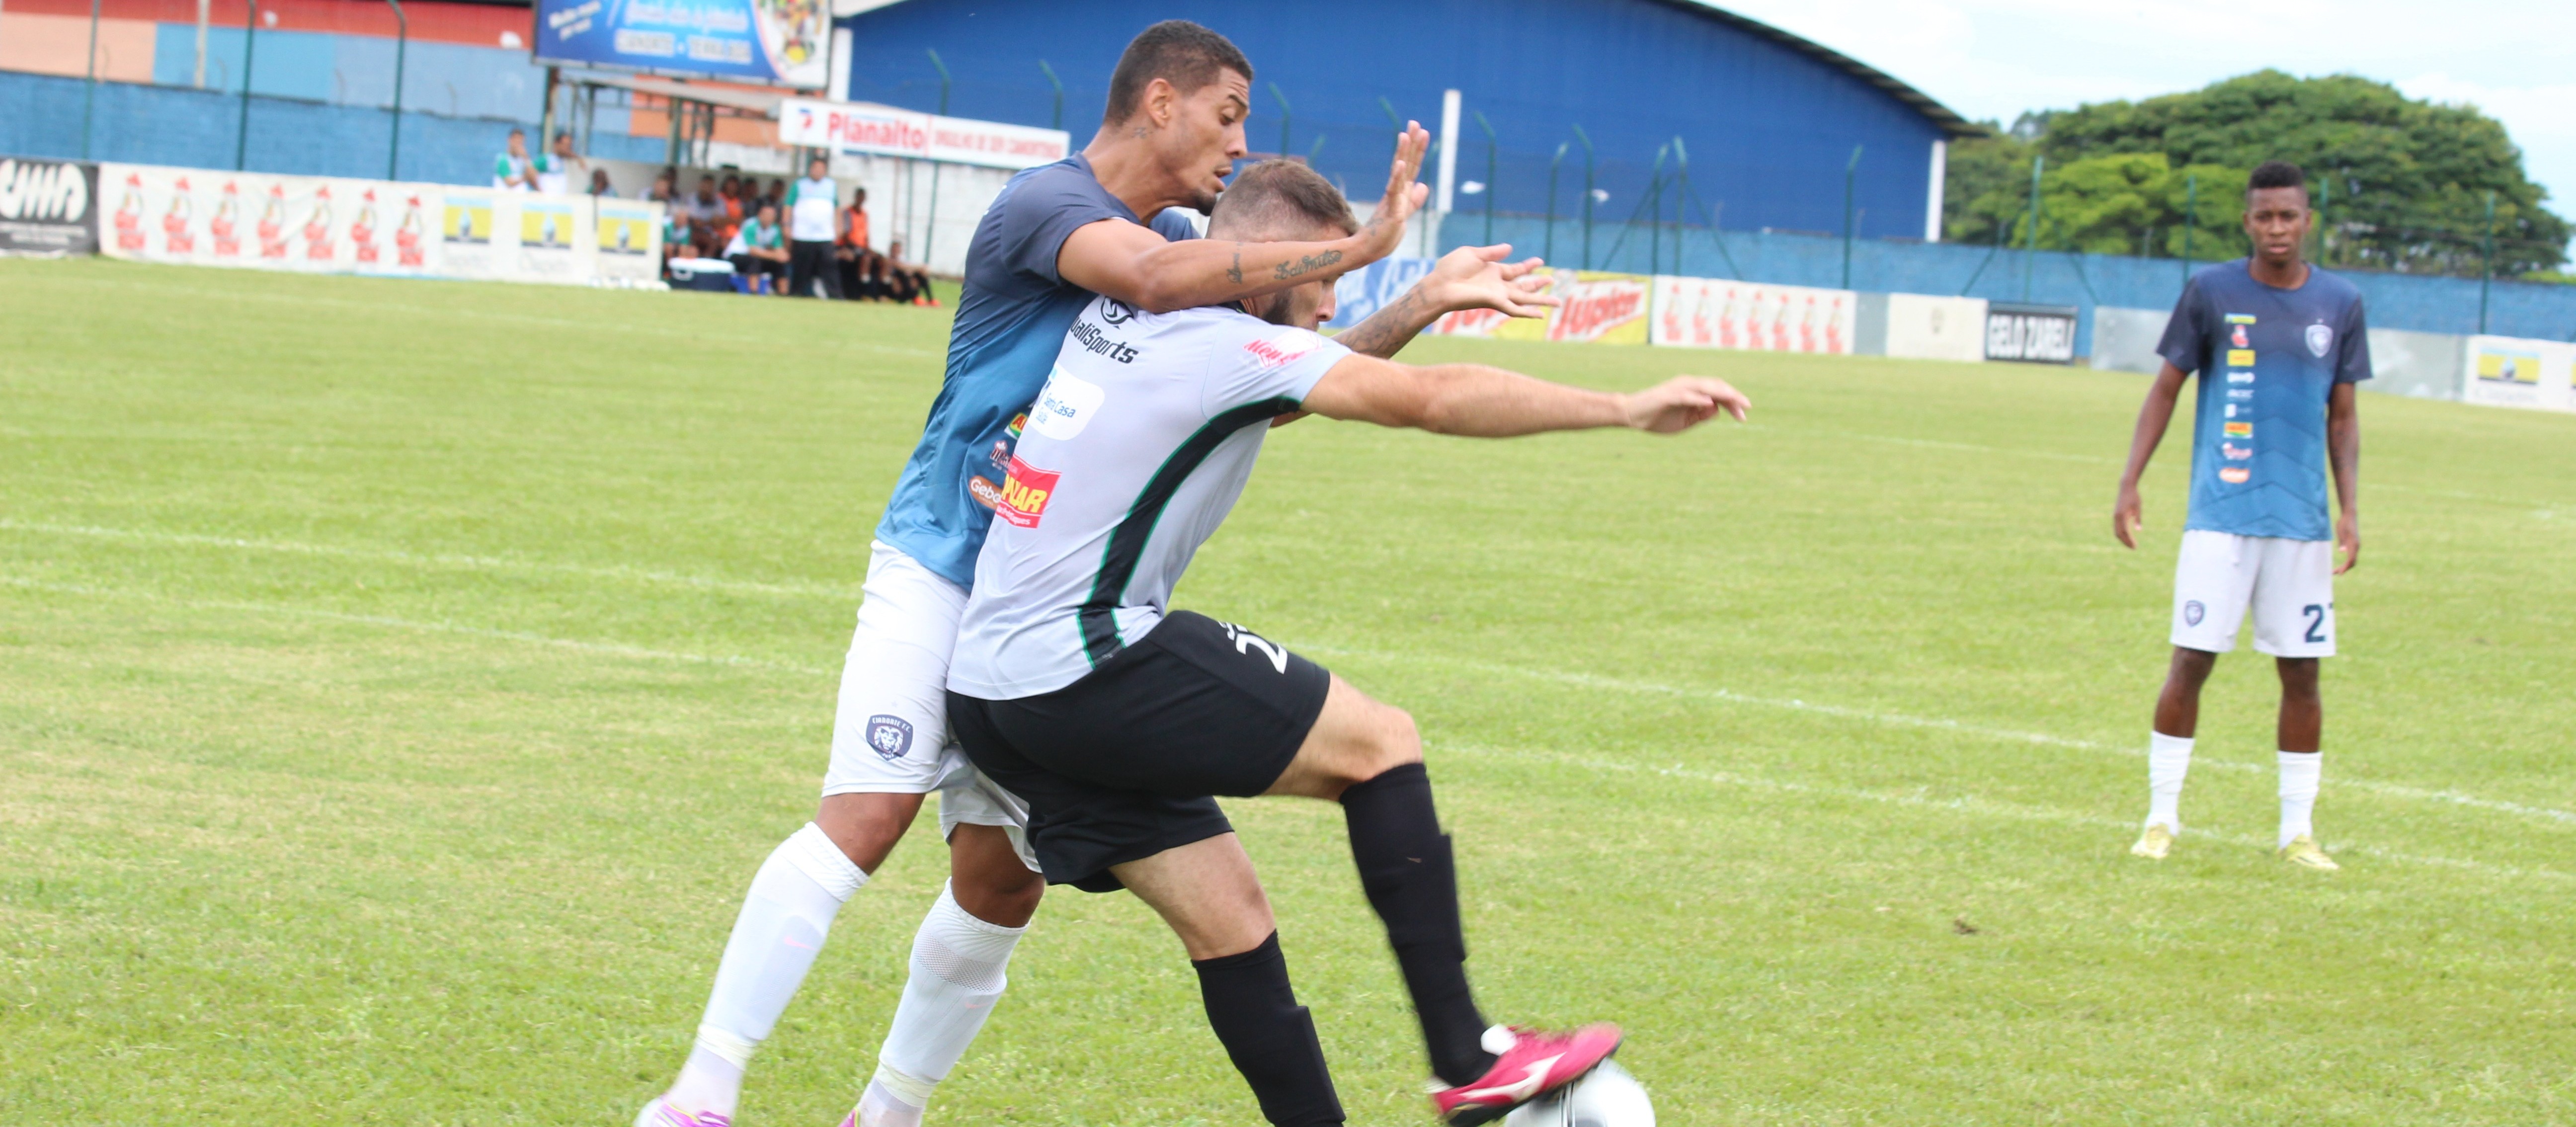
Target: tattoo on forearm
[
  {"x": 1388, "y": 330},
  {"x": 1312, "y": 262},
  {"x": 1234, "y": 273}
]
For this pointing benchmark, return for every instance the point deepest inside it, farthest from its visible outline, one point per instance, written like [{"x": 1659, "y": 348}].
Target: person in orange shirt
[{"x": 852, "y": 248}]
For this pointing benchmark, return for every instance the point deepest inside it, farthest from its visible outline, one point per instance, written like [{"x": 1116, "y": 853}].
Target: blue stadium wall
[{"x": 1768, "y": 128}]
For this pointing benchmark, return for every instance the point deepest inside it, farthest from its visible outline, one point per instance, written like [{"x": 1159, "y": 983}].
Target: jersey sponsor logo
[
  {"x": 1065, "y": 405},
  {"x": 2240, "y": 358},
  {"x": 985, "y": 492},
  {"x": 2234, "y": 452},
  {"x": 1116, "y": 312},
  {"x": 1019, "y": 422},
  {"x": 1025, "y": 494},
  {"x": 2239, "y": 430},
  {"x": 2240, "y": 377},
  {"x": 2235, "y": 475},
  {"x": 1090, "y": 336},
  {"x": 1000, "y": 455},
  {"x": 1246, "y": 641},
  {"x": 2240, "y": 318},
  {"x": 889, "y": 736},
  {"x": 2231, "y": 413},
  {"x": 1283, "y": 349},
  {"x": 2240, "y": 393},
  {"x": 2236, "y": 336},
  {"x": 2320, "y": 338},
  {"x": 2193, "y": 612}
]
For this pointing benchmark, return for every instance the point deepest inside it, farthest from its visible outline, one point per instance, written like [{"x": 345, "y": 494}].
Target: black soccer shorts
[{"x": 1124, "y": 763}]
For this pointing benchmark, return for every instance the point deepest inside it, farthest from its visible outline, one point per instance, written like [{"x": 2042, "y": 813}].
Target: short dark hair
[
  {"x": 1278, "y": 199},
  {"x": 2277, "y": 174},
  {"x": 1177, "y": 51}
]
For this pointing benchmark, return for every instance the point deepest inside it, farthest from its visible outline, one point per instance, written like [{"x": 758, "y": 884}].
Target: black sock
[
  {"x": 1269, "y": 1036},
  {"x": 1412, "y": 881}
]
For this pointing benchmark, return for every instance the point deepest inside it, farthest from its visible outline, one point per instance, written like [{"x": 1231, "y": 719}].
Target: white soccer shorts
[
  {"x": 2289, "y": 585},
  {"x": 890, "y": 733}
]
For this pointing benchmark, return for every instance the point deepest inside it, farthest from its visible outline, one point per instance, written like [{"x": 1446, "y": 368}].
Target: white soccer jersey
[{"x": 1132, "y": 456}]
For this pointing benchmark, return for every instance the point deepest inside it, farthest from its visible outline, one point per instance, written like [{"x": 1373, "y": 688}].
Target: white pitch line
[
  {"x": 608, "y": 648},
  {"x": 418, "y": 559},
  {"x": 1898, "y": 719},
  {"x": 1966, "y": 804}
]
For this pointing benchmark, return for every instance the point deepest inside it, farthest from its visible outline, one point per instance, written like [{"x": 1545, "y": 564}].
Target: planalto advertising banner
[
  {"x": 332, "y": 225},
  {"x": 1715, "y": 313},
  {"x": 48, "y": 207},
  {"x": 778, "y": 42},
  {"x": 865, "y": 127}
]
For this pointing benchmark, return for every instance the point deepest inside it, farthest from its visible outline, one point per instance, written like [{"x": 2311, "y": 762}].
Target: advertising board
[
  {"x": 48, "y": 207},
  {"x": 865, "y": 127},
  {"x": 1595, "y": 307},
  {"x": 629, "y": 238},
  {"x": 1923, "y": 327},
  {"x": 2030, "y": 334},
  {"x": 779, "y": 42},
  {"x": 312, "y": 224},
  {"x": 2511, "y": 372},
  {"x": 1715, "y": 313},
  {"x": 1362, "y": 292}
]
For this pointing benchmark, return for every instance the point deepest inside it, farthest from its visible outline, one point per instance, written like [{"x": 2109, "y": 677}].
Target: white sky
[{"x": 2515, "y": 59}]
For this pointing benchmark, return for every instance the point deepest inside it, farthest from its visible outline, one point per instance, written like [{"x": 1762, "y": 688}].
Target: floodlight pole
[
  {"x": 402, "y": 42},
  {"x": 2486, "y": 263},
  {"x": 1059, "y": 92},
  {"x": 89, "y": 97},
  {"x": 241, "y": 131},
  {"x": 1586, "y": 138},
  {"x": 1851, "y": 171},
  {"x": 930, "y": 232},
  {"x": 1490, "y": 186},
  {"x": 1552, "y": 162},
  {"x": 1285, "y": 119},
  {"x": 2030, "y": 244}
]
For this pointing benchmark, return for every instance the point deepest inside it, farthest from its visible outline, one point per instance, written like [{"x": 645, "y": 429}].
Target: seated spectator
[
  {"x": 707, "y": 223},
  {"x": 851, "y": 251},
  {"x": 759, "y": 253},
  {"x": 664, "y": 190},
  {"x": 679, "y": 237},
  {"x": 599, "y": 185},
  {"x": 777, "y": 196},
  {"x": 906, "y": 282}
]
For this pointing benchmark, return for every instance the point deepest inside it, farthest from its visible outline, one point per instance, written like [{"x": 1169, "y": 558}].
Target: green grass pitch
[{"x": 399, "y": 683}]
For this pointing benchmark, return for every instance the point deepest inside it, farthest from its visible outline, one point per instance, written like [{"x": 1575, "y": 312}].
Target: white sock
[
  {"x": 2168, "y": 760},
  {"x": 957, "y": 975},
  {"x": 784, "y": 918},
  {"x": 2300, "y": 772}
]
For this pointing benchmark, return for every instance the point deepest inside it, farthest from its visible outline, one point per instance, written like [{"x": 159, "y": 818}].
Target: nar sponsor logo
[
  {"x": 2240, "y": 377},
  {"x": 1025, "y": 494},
  {"x": 2235, "y": 475},
  {"x": 2240, "y": 318},
  {"x": 1092, "y": 337},
  {"x": 1065, "y": 406},
  {"x": 2240, "y": 358},
  {"x": 2239, "y": 430},
  {"x": 1283, "y": 349},
  {"x": 2234, "y": 452}
]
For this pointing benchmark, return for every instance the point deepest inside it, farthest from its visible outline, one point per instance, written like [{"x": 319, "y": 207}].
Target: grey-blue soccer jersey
[{"x": 2268, "y": 359}]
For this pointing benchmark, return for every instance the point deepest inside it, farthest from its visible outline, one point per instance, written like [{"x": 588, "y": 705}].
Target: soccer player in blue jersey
[
  {"x": 2278, "y": 346},
  {"x": 1099, "y": 223}
]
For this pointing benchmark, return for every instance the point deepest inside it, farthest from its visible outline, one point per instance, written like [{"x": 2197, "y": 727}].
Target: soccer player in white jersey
[
  {"x": 2278, "y": 345},
  {"x": 1117, "y": 720},
  {"x": 1099, "y": 222}
]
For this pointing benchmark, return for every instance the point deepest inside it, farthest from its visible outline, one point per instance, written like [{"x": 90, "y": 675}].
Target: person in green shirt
[{"x": 759, "y": 252}]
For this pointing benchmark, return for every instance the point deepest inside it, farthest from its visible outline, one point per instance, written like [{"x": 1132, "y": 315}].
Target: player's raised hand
[
  {"x": 1404, "y": 195},
  {"x": 1681, "y": 403},
  {"x": 2128, "y": 515},
  {"x": 1478, "y": 278}
]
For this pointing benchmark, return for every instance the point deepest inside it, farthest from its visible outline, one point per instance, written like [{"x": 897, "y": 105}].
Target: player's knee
[{"x": 1393, "y": 742}]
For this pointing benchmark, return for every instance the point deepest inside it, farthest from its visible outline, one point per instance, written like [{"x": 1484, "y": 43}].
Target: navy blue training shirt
[
  {"x": 2267, "y": 358},
  {"x": 1011, "y": 321}
]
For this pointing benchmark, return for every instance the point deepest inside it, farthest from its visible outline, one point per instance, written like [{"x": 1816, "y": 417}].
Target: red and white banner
[
  {"x": 865, "y": 127},
  {"x": 1713, "y": 313}
]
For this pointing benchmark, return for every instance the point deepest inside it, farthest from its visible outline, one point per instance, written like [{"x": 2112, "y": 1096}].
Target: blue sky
[{"x": 2515, "y": 59}]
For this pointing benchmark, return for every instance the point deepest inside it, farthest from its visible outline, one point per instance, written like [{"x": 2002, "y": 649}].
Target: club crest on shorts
[
  {"x": 891, "y": 736},
  {"x": 2320, "y": 338},
  {"x": 2192, "y": 612}
]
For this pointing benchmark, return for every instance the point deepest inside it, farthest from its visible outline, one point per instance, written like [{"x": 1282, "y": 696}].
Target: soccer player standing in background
[{"x": 2278, "y": 346}]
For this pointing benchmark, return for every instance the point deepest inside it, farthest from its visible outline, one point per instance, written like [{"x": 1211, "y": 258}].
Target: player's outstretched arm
[
  {"x": 1131, "y": 263},
  {"x": 1482, "y": 402},
  {"x": 1465, "y": 278},
  {"x": 2128, "y": 514}
]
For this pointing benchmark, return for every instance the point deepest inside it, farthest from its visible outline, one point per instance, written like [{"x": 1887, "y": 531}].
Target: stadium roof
[{"x": 1941, "y": 115}]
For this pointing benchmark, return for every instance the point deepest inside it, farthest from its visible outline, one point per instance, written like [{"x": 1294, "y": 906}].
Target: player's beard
[
  {"x": 1274, "y": 308},
  {"x": 1203, "y": 203}
]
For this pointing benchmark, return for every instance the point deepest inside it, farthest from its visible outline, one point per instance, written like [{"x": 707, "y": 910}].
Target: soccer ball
[{"x": 1606, "y": 1097}]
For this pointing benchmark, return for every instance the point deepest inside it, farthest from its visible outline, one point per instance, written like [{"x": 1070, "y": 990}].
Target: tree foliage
[{"x": 2401, "y": 184}]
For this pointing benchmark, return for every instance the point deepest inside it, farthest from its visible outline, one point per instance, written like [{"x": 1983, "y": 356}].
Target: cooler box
[{"x": 714, "y": 275}]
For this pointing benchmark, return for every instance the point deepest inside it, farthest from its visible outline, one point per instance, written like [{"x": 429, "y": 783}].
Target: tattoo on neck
[
  {"x": 1312, "y": 262},
  {"x": 1234, "y": 273}
]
